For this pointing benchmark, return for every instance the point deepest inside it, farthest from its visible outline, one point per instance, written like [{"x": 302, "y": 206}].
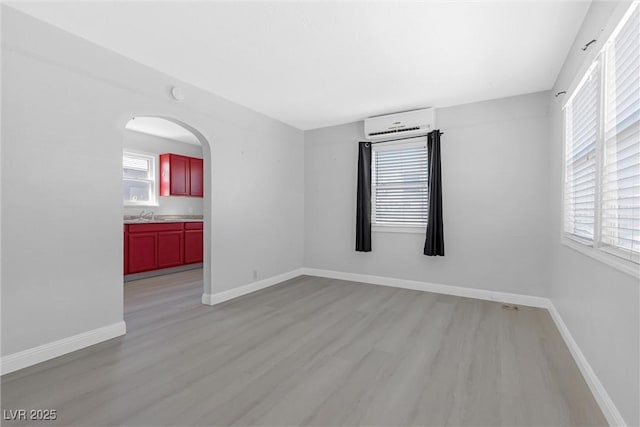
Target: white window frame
[
  {"x": 153, "y": 161},
  {"x": 386, "y": 227},
  {"x": 614, "y": 257}
]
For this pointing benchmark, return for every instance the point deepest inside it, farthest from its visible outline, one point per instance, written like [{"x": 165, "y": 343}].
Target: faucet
[{"x": 146, "y": 215}]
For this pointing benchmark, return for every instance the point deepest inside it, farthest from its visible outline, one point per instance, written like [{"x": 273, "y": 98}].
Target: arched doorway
[{"x": 166, "y": 211}]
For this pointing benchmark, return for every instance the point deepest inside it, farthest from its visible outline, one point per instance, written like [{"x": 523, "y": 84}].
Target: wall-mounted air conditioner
[{"x": 400, "y": 125}]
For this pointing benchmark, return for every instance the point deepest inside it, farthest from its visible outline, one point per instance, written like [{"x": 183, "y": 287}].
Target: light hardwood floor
[{"x": 313, "y": 351}]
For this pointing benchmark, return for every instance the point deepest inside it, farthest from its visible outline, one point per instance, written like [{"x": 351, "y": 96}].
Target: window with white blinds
[
  {"x": 620, "y": 227},
  {"x": 139, "y": 179},
  {"x": 602, "y": 148},
  {"x": 581, "y": 127},
  {"x": 399, "y": 188}
]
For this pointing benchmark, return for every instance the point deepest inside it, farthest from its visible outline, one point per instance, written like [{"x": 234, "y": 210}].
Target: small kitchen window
[{"x": 139, "y": 179}]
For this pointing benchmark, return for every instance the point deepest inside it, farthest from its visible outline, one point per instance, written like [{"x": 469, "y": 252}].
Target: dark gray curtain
[
  {"x": 363, "y": 209},
  {"x": 434, "y": 245}
]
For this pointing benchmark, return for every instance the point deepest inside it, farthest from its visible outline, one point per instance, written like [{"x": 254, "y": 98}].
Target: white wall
[
  {"x": 65, "y": 103},
  {"x": 167, "y": 205},
  {"x": 494, "y": 157},
  {"x": 64, "y": 106},
  {"x": 599, "y": 304}
]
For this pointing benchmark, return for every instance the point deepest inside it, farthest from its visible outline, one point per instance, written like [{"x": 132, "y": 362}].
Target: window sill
[
  {"x": 414, "y": 229},
  {"x": 601, "y": 255}
]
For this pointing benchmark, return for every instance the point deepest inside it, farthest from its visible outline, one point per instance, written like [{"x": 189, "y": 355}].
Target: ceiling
[
  {"x": 316, "y": 64},
  {"x": 163, "y": 128}
]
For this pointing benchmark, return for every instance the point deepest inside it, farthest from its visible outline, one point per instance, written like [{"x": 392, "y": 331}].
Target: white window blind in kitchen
[
  {"x": 135, "y": 163},
  {"x": 620, "y": 203},
  {"x": 581, "y": 133},
  {"x": 399, "y": 190}
]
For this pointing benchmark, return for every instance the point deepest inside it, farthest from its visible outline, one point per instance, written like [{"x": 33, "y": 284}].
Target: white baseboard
[
  {"x": 505, "y": 297},
  {"x": 220, "y": 297},
  {"x": 608, "y": 408},
  {"x": 32, "y": 356}
]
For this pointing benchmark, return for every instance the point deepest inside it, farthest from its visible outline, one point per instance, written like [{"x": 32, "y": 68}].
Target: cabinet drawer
[
  {"x": 193, "y": 226},
  {"x": 146, "y": 228}
]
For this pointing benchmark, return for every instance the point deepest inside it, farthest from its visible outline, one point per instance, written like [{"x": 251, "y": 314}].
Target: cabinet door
[
  {"x": 180, "y": 175},
  {"x": 143, "y": 252},
  {"x": 126, "y": 251},
  {"x": 193, "y": 246},
  {"x": 170, "y": 248},
  {"x": 195, "y": 175}
]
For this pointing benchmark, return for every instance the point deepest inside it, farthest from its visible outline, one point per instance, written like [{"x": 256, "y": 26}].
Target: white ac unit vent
[{"x": 400, "y": 125}]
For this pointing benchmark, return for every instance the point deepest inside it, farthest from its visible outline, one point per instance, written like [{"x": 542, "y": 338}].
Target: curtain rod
[{"x": 398, "y": 139}]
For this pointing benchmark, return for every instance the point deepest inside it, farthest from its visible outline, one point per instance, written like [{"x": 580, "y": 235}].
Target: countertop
[{"x": 162, "y": 219}]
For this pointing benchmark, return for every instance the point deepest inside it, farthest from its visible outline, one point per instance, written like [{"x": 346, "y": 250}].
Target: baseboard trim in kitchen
[
  {"x": 161, "y": 272},
  {"x": 220, "y": 297},
  {"x": 41, "y": 353}
]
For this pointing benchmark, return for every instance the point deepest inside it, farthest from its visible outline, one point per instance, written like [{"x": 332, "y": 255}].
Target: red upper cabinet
[
  {"x": 180, "y": 176},
  {"x": 196, "y": 173},
  {"x": 174, "y": 175}
]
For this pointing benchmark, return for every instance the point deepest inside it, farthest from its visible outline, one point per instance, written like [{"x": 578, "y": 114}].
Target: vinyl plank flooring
[{"x": 312, "y": 351}]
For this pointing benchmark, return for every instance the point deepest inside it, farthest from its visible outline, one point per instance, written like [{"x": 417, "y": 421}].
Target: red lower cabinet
[
  {"x": 170, "y": 244},
  {"x": 126, "y": 250},
  {"x": 143, "y": 252},
  {"x": 154, "y": 246},
  {"x": 193, "y": 242}
]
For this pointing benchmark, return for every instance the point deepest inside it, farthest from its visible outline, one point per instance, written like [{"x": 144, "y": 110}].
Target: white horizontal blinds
[
  {"x": 129, "y": 162},
  {"x": 136, "y": 166},
  {"x": 399, "y": 188},
  {"x": 582, "y": 117},
  {"x": 620, "y": 209}
]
